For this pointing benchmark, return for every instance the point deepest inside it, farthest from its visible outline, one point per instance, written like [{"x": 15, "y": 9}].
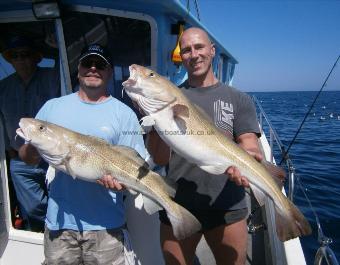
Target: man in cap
[
  {"x": 84, "y": 221},
  {"x": 21, "y": 95}
]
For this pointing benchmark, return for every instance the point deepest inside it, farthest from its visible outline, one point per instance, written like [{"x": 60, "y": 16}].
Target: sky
[{"x": 280, "y": 45}]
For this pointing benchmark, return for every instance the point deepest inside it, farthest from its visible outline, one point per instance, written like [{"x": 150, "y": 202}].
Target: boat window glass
[{"x": 128, "y": 40}]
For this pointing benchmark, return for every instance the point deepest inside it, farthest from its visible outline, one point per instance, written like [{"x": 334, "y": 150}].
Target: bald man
[{"x": 218, "y": 204}]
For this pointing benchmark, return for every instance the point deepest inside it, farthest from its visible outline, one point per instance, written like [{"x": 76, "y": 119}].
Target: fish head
[
  {"x": 148, "y": 89},
  {"x": 46, "y": 137}
]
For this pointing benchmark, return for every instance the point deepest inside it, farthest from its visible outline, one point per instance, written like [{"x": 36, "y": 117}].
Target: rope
[
  {"x": 196, "y": 7},
  {"x": 197, "y": 10},
  {"x": 323, "y": 240},
  {"x": 284, "y": 155}
]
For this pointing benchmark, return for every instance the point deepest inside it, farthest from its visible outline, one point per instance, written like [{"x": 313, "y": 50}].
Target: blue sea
[{"x": 315, "y": 156}]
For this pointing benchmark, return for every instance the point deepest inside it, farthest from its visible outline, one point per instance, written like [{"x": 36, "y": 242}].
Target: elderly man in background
[{"x": 21, "y": 95}]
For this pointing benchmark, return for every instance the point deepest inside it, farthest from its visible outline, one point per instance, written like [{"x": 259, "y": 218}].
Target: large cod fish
[
  {"x": 89, "y": 158},
  {"x": 175, "y": 119}
]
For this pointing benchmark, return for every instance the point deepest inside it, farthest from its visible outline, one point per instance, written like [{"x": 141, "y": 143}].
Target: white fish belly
[{"x": 188, "y": 145}]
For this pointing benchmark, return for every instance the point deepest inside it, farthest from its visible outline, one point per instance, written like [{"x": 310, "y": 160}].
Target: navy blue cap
[
  {"x": 19, "y": 42},
  {"x": 96, "y": 49}
]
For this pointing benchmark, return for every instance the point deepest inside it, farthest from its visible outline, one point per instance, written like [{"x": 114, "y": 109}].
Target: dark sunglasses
[
  {"x": 99, "y": 64},
  {"x": 21, "y": 54}
]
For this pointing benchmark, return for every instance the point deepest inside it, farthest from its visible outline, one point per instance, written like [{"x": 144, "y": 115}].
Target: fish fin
[
  {"x": 171, "y": 187},
  {"x": 216, "y": 169},
  {"x": 184, "y": 223},
  {"x": 150, "y": 162},
  {"x": 50, "y": 175},
  {"x": 70, "y": 172},
  {"x": 180, "y": 110},
  {"x": 139, "y": 201},
  {"x": 292, "y": 225},
  {"x": 277, "y": 172},
  {"x": 181, "y": 125},
  {"x": 151, "y": 206},
  {"x": 258, "y": 194},
  {"x": 131, "y": 154},
  {"x": 97, "y": 139},
  {"x": 57, "y": 159},
  {"x": 147, "y": 123},
  {"x": 66, "y": 163}
]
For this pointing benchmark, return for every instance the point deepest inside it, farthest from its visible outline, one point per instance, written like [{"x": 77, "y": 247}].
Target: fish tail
[
  {"x": 291, "y": 223},
  {"x": 183, "y": 223}
]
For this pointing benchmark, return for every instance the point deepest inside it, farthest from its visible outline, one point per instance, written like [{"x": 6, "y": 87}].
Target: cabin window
[
  {"x": 41, "y": 33},
  {"x": 128, "y": 40}
]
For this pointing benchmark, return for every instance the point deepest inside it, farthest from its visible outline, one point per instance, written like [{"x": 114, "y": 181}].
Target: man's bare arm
[
  {"x": 248, "y": 142},
  {"x": 158, "y": 149}
]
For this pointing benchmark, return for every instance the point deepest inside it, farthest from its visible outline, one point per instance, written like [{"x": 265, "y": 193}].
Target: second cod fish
[
  {"x": 89, "y": 158},
  {"x": 176, "y": 120}
]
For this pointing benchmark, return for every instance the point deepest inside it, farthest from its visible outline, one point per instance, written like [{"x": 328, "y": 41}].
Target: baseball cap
[{"x": 96, "y": 49}]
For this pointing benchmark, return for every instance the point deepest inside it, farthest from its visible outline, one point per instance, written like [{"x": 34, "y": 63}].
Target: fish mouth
[
  {"x": 128, "y": 86},
  {"x": 132, "y": 80},
  {"x": 130, "y": 83},
  {"x": 21, "y": 133}
]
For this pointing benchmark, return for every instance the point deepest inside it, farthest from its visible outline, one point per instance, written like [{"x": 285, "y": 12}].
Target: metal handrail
[
  {"x": 324, "y": 252},
  {"x": 273, "y": 136}
]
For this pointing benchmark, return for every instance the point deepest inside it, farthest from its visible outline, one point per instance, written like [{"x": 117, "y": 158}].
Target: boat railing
[
  {"x": 324, "y": 253},
  {"x": 274, "y": 138}
]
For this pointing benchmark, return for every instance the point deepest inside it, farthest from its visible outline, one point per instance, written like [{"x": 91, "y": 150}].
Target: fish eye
[
  {"x": 41, "y": 128},
  {"x": 152, "y": 74}
]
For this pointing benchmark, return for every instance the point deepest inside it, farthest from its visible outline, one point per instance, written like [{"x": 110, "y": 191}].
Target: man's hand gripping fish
[
  {"x": 89, "y": 158},
  {"x": 176, "y": 120}
]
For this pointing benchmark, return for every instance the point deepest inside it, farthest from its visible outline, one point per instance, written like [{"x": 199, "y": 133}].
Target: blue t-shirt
[{"x": 80, "y": 205}]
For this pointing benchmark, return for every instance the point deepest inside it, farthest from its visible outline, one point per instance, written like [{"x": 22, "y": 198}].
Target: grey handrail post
[
  {"x": 271, "y": 145},
  {"x": 291, "y": 186}
]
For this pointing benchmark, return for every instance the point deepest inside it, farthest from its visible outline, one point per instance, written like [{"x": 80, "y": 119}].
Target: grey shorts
[{"x": 104, "y": 247}]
